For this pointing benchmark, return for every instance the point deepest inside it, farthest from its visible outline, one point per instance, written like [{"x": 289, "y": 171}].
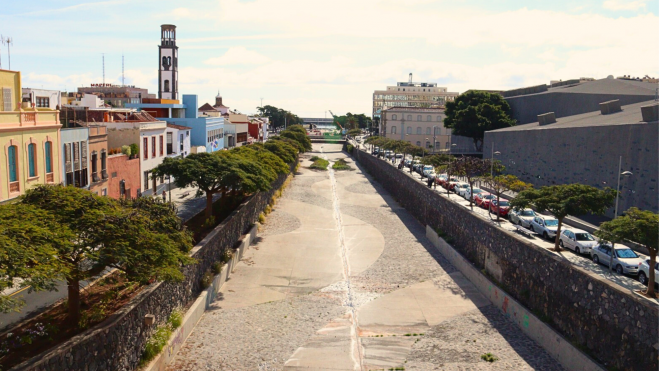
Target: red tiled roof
[{"x": 180, "y": 127}]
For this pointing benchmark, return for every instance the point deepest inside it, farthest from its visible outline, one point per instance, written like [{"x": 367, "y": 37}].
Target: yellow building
[{"x": 29, "y": 141}]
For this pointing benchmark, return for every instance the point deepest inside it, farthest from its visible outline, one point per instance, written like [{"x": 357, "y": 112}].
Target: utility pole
[
  {"x": 9, "y": 41},
  {"x": 122, "y": 73},
  {"x": 261, "y": 102},
  {"x": 103, "y": 61}
]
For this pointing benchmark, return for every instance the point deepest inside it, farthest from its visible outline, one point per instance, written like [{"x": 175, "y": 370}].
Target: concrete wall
[
  {"x": 616, "y": 327},
  {"x": 120, "y": 167},
  {"x": 587, "y": 155},
  {"x": 118, "y": 342}
]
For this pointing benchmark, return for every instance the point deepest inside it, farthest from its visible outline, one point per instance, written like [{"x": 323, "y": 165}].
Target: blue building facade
[{"x": 206, "y": 131}]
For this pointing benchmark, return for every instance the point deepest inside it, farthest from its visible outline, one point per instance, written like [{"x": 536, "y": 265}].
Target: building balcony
[{"x": 20, "y": 119}]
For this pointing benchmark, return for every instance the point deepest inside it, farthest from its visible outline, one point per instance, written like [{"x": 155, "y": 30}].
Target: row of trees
[
  {"x": 350, "y": 121},
  {"x": 241, "y": 170},
  {"x": 57, "y": 233},
  {"x": 279, "y": 117},
  {"x": 559, "y": 200}
]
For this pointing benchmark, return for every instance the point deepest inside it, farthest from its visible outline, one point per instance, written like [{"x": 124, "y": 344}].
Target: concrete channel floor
[{"x": 342, "y": 278}]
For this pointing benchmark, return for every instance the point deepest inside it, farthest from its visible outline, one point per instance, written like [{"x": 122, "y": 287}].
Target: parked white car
[
  {"x": 576, "y": 239},
  {"x": 468, "y": 195},
  {"x": 544, "y": 226},
  {"x": 522, "y": 217},
  {"x": 428, "y": 169},
  {"x": 625, "y": 260},
  {"x": 644, "y": 272},
  {"x": 460, "y": 187}
]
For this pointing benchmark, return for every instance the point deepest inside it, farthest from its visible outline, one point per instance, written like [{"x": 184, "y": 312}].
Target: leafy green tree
[
  {"x": 243, "y": 175},
  {"x": 566, "y": 199},
  {"x": 200, "y": 170},
  {"x": 641, "y": 226},
  {"x": 475, "y": 112},
  {"x": 271, "y": 162},
  {"x": 471, "y": 168},
  {"x": 299, "y": 134},
  {"x": 132, "y": 236},
  {"x": 354, "y": 132},
  {"x": 284, "y": 150},
  {"x": 435, "y": 160},
  {"x": 279, "y": 117},
  {"x": 291, "y": 142},
  {"x": 501, "y": 184},
  {"x": 29, "y": 241}
]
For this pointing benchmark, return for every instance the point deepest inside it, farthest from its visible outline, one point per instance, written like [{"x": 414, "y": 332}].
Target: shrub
[
  {"x": 126, "y": 150},
  {"x": 206, "y": 280},
  {"x": 489, "y": 357},
  {"x": 319, "y": 163},
  {"x": 216, "y": 268},
  {"x": 175, "y": 319},
  {"x": 341, "y": 165},
  {"x": 155, "y": 344},
  {"x": 134, "y": 149},
  {"x": 261, "y": 218},
  {"x": 226, "y": 256},
  {"x": 350, "y": 147}
]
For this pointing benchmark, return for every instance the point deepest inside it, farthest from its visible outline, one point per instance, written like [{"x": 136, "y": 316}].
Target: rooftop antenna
[
  {"x": 103, "y": 58},
  {"x": 9, "y": 41},
  {"x": 410, "y": 77},
  {"x": 122, "y": 70}
]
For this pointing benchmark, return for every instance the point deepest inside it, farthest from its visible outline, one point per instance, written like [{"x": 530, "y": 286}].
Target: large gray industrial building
[{"x": 592, "y": 125}]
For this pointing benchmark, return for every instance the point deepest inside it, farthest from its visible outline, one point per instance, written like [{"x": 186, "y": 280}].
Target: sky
[{"x": 311, "y": 56}]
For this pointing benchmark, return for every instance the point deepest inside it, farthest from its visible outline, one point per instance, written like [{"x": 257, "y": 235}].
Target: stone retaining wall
[
  {"x": 117, "y": 343},
  {"x": 616, "y": 327}
]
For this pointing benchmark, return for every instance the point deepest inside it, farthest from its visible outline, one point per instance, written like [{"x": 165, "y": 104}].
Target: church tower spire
[{"x": 168, "y": 63}]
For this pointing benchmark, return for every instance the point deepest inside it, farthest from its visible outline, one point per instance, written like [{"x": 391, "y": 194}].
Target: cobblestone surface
[
  {"x": 458, "y": 343},
  {"x": 260, "y": 337},
  {"x": 279, "y": 222}
]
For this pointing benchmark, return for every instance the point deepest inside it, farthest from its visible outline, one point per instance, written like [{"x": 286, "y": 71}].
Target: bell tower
[{"x": 168, "y": 63}]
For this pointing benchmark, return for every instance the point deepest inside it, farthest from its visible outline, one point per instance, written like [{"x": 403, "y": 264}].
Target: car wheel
[
  {"x": 577, "y": 251},
  {"x": 545, "y": 235},
  {"x": 642, "y": 278},
  {"x": 560, "y": 243},
  {"x": 532, "y": 228},
  {"x": 619, "y": 269},
  {"x": 596, "y": 259}
]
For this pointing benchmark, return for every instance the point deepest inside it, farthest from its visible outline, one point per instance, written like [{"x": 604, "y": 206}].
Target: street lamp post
[
  {"x": 434, "y": 137},
  {"x": 492, "y": 160},
  {"x": 615, "y": 213}
]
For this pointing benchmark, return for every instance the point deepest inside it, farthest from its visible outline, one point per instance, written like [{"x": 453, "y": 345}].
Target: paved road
[
  {"x": 343, "y": 278},
  {"x": 629, "y": 283}
]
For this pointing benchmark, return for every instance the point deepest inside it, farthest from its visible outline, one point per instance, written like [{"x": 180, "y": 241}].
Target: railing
[
  {"x": 20, "y": 118},
  {"x": 14, "y": 187},
  {"x": 28, "y": 118}
]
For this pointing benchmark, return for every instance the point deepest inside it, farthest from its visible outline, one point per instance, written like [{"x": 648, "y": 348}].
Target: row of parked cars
[{"x": 625, "y": 260}]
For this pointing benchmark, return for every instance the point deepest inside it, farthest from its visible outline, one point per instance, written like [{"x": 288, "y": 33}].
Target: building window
[
  {"x": 429, "y": 118},
  {"x": 181, "y": 143},
  {"x": 170, "y": 144},
  {"x": 104, "y": 169},
  {"x": 393, "y": 130},
  {"x": 418, "y": 130},
  {"x": 95, "y": 177},
  {"x": 162, "y": 145},
  {"x": 146, "y": 147},
  {"x": 122, "y": 188},
  {"x": 409, "y": 117},
  {"x": 31, "y": 155},
  {"x": 43, "y": 102},
  {"x": 167, "y": 86},
  {"x": 448, "y": 145},
  {"x": 427, "y": 144},
  {"x": 439, "y": 118},
  {"x": 13, "y": 164},
  {"x": 146, "y": 180},
  {"x": 153, "y": 147},
  {"x": 409, "y": 130},
  {"x": 394, "y": 117},
  {"x": 418, "y": 143},
  {"x": 6, "y": 99},
  {"x": 436, "y": 145},
  {"x": 418, "y": 117},
  {"x": 427, "y": 131},
  {"x": 49, "y": 157}
]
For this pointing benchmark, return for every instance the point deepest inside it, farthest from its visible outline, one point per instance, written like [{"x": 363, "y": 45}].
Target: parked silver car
[
  {"x": 576, "y": 239},
  {"x": 644, "y": 272},
  {"x": 460, "y": 187},
  {"x": 467, "y": 193},
  {"x": 522, "y": 217},
  {"x": 544, "y": 226},
  {"x": 625, "y": 260}
]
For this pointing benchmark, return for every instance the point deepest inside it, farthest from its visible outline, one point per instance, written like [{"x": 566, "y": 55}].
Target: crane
[{"x": 336, "y": 120}]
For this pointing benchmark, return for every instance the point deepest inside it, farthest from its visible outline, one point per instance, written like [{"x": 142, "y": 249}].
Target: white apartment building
[
  {"x": 42, "y": 98},
  {"x": 418, "y": 126}
]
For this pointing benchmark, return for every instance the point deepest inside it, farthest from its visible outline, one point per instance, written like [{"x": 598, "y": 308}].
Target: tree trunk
[
  {"x": 613, "y": 247},
  {"x": 73, "y": 286},
  {"x": 557, "y": 247},
  {"x": 498, "y": 201},
  {"x": 471, "y": 192},
  {"x": 651, "y": 278},
  {"x": 209, "y": 205}
]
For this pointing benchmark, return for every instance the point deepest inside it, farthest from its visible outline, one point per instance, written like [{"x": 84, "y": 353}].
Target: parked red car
[
  {"x": 503, "y": 207},
  {"x": 483, "y": 199}
]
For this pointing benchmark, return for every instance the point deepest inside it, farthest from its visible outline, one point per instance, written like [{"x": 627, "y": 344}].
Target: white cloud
[
  {"x": 238, "y": 56},
  {"x": 624, "y": 4}
]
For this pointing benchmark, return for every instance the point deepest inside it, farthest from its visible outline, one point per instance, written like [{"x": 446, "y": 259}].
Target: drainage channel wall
[
  {"x": 614, "y": 326},
  {"x": 117, "y": 343}
]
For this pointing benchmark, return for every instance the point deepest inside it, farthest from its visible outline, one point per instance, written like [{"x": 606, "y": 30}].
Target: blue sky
[{"x": 311, "y": 56}]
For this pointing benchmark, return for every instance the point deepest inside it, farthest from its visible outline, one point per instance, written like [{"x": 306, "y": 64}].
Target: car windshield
[
  {"x": 490, "y": 197},
  {"x": 427, "y": 168},
  {"x": 476, "y": 190},
  {"x": 584, "y": 237},
  {"x": 626, "y": 253},
  {"x": 504, "y": 203},
  {"x": 464, "y": 185},
  {"x": 551, "y": 222},
  {"x": 527, "y": 213}
]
